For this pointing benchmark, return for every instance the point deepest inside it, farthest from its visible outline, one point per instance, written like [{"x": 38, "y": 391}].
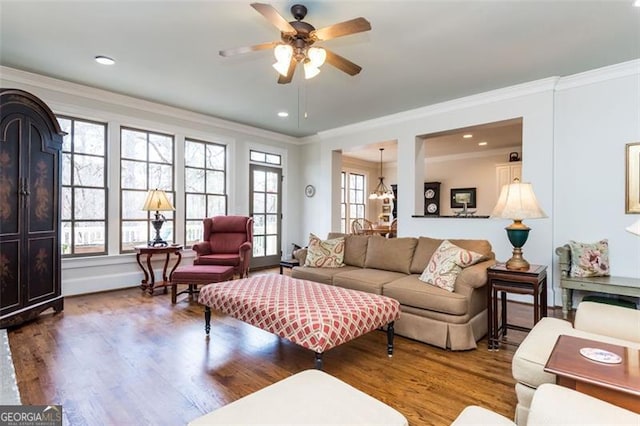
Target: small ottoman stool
[
  {"x": 194, "y": 275},
  {"x": 311, "y": 397}
]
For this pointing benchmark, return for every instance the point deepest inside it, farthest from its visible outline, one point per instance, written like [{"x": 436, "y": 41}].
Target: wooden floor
[{"x": 126, "y": 358}]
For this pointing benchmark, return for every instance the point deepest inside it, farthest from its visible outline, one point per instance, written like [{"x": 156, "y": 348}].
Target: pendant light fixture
[{"x": 382, "y": 191}]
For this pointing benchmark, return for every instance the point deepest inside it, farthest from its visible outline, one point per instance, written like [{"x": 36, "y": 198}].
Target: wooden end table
[
  {"x": 149, "y": 282},
  {"x": 288, "y": 263},
  {"x": 501, "y": 280},
  {"x": 618, "y": 384}
]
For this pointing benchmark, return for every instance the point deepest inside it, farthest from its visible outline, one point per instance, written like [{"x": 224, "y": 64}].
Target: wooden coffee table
[{"x": 618, "y": 384}]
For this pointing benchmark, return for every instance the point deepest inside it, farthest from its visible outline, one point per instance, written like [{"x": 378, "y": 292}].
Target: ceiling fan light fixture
[
  {"x": 282, "y": 67},
  {"x": 310, "y": 70},
  {"x": 317, "y": 56},
  {"x": 283, "y": 53}
]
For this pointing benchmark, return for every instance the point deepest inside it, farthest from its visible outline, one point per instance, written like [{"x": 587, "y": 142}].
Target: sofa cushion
[
  {"x": 390, "y": 254},
  {"x": 410, "y": 291},
  {"x": 446, "y": 263},
  {"x": 427, "y": 246},
  {"x": 355, "y": 249},
  {"x": 369, "y": 280},
  {"x": 325, "y": 254},
  {"x": 320, "y": 275}
]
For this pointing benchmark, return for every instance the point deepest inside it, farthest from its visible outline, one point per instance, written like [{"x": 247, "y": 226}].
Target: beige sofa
[
  {"x": 391, "y": 267},
  {"x": 595, "y": 321}
]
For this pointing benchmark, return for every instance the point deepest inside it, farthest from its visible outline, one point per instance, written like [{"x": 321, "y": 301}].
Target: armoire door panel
[
  {"x": 10, "y": 180},
  {"x": 42, "y": 182},
  {"x": 42, "y": 255},
  {"x": 10, "y": 292}
]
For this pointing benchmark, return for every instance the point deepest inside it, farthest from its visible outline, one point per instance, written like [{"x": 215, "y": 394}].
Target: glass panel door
[{"x": 265, "y": 205}]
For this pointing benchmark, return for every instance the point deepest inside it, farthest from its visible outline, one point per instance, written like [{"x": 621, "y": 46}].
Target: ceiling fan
[{"x": 297, "y": 38}]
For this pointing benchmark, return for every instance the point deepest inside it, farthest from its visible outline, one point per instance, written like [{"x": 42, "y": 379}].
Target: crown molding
[
  {"x": 611, "y": 72},
  {"x": 62, "y": 86},
  {"x": 511, "y": 92}
]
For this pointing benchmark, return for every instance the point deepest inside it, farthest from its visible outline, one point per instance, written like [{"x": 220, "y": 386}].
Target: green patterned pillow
[
  {"x": 325, "y": 254},
  {"x": 589, "y": 260},
  {"x": 446, "y": 263}
]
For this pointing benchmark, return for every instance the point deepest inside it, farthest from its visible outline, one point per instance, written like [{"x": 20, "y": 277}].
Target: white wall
[
  {"x": 596, "y": 115},
  {"x": 573, "y": 141},
  {"x": 83, "y": 275}
]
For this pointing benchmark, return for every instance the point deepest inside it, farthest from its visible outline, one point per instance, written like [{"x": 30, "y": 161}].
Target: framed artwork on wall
[
  {"x": 632, "y": 199},
  {"x": 461, "y": 197}
]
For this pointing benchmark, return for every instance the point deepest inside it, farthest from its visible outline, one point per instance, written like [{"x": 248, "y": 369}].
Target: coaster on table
[{"x": 600, "y": 355}]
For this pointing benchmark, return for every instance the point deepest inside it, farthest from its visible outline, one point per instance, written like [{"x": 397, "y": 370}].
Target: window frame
[
  {"x": 72, "y": 186},
  {"x": 206, "y": 194},
  {"x": 172, "y": 193},
  {"x": 348, "y": 220}
]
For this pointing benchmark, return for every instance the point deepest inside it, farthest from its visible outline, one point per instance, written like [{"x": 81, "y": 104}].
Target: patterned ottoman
[{"x": 313, "y": 315}]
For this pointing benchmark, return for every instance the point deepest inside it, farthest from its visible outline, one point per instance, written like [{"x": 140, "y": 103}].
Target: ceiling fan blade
[
  {"x": 342, "y": 64},
  {"x": 247, "y": 49},
  {"x": 287, "y": 79},
  {"x": 352, "y": 26},
  {"x": 274, "y": 17}
]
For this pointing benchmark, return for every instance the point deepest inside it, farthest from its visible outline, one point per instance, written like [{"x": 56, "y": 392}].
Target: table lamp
[
  {"x": 634, "y": 228},
  {"x": 517, "y": 202},
  {"x": 157, "y": 200}
]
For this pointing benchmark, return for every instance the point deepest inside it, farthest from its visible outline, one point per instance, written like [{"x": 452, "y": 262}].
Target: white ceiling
[{"x": 418, "y": 52}]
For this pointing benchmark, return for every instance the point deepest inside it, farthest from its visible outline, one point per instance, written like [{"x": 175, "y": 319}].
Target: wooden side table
[
  {"x": 149, "y": 281},
  {"x": 502, "y": 280},
  {"x": 288, "y": 263}
]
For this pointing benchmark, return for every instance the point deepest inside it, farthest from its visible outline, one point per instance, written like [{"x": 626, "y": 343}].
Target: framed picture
[
  {"x": 386, "y": 208},
  {"x": 632, "y": 200},
  {"x": 386, "y": 201},
  {"x": 385, "y": 218},
  {"x": 462, "y": 196}
]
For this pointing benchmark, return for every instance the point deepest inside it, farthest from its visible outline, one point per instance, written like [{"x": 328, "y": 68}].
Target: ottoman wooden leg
[
  {"x": 318, "y": 360},
  {"x": 207, "y": 319},
  {"x": 390, "y": 334},
  {"x": 174, "y": 291}
]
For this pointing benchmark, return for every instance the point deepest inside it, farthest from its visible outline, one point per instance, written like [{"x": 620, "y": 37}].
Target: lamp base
[
  {"x": 517, "y": 262},
  {"x": 157, "y": 225}
]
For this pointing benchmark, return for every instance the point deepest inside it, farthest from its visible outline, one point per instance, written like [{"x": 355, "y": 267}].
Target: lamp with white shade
[
  {"x": 157, "y": 201},
  {"x": 634, "y": 228},
  {"x": 517, "y": 202}
]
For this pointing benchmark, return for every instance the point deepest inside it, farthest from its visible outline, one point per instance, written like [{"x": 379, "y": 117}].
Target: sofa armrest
[
  {"x": 475, "y": 415},
  {"x": 608, "y": 320},
  {"x": 300, "y": 255},
  {"x": 201, "y": 248},
  {"x": 473, "y": 276}
]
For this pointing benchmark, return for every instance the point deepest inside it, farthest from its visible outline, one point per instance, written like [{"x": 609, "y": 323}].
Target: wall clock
[
  {"x": 309, "y": 190},
  {"x": 432, "y": 198}
]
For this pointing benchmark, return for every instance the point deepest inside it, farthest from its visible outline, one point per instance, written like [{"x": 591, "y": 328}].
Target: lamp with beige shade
[{"x": 157, "y": 201}]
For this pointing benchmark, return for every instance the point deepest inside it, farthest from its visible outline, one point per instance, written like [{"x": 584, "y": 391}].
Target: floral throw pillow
[
  {"x": 446, "y": 263},
  {"x": 325, "y": 254},
  {"x": 589, "y": 260}
]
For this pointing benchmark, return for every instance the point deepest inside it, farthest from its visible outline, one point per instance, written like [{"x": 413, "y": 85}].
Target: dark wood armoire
[{"x": 30, "y": 145}]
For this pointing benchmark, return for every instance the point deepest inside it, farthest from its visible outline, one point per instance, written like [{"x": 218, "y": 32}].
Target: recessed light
[
  {"x": 482, "y": 143},
  {"x": 636, "y": 3},
  {"x": 467, "y": 136},
  {"x": 283, "y": 114},
  {"x": 104, "y": 60}
]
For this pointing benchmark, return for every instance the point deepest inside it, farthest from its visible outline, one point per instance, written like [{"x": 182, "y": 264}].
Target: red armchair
[{"x": 227, "y": 240}]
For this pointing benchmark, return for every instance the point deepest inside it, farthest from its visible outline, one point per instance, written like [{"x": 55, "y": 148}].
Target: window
[
  {"x": 146, "y": 162},
  {"x": 353, "y": 207},
  {"x": 265, "y": 157},
  {"x": 84, "y": 188},
  {"x": 204, "y": 185}
]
